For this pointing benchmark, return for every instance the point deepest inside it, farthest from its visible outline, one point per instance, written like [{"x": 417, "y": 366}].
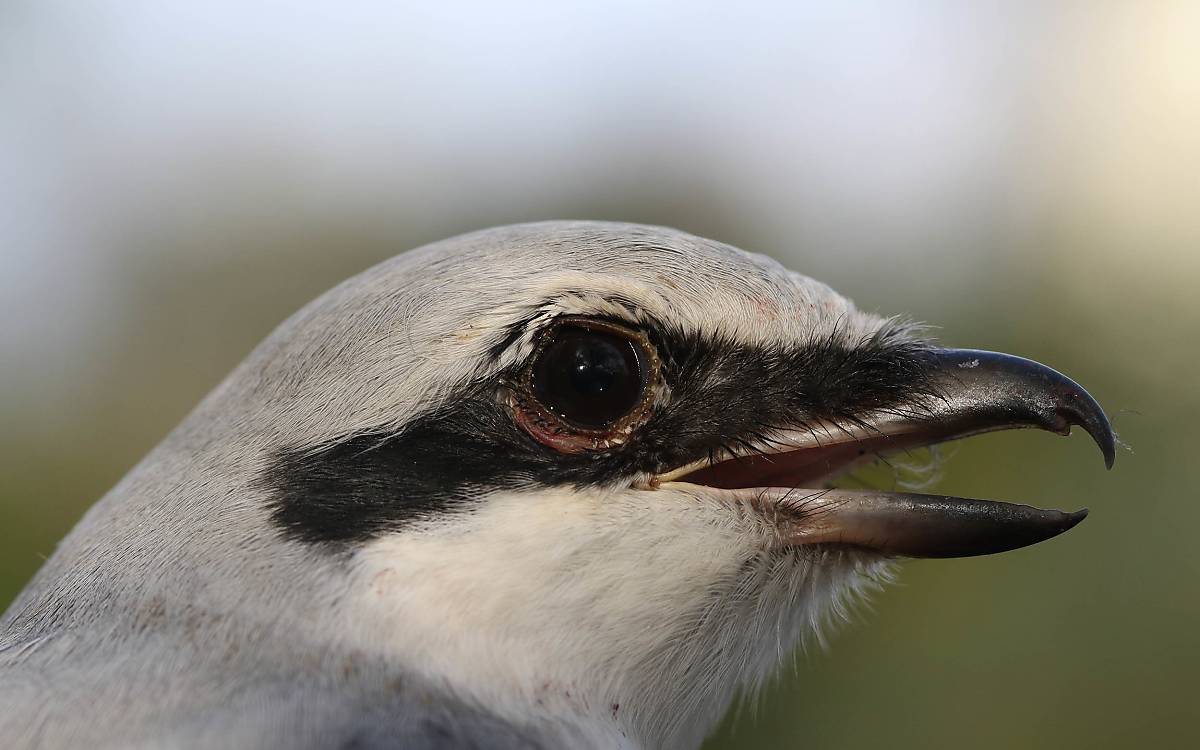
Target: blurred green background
[{"x": 1024, "y": 176}]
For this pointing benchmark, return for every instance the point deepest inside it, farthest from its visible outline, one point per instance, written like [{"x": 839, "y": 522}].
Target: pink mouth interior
[
  {"x": 808, "y": 466},
  {"x": 797, "y": 468}
]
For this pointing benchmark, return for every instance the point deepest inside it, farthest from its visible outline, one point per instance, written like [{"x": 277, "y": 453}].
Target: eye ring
[{"x": 591, "y": 361}]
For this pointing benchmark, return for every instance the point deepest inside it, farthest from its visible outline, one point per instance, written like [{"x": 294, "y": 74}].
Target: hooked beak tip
[
  {"x": 1096, "y": 425},
  {"x": 1027, "y": 393},
  {"x": 1090, "y": 416}
]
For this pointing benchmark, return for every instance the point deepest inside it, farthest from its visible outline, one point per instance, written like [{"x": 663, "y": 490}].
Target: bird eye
[{"x": 588, "y": 376}]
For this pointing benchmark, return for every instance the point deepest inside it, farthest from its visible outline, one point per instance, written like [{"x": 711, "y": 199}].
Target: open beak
[{"x": 976, "y": 392}]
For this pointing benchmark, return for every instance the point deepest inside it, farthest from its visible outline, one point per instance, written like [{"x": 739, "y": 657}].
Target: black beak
[
  {"x": 973, "y": 392},
  {"x": 980, "y": 391}
]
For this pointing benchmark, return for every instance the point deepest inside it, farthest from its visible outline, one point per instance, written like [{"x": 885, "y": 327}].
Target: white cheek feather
[{"x": 632, "y": 618}]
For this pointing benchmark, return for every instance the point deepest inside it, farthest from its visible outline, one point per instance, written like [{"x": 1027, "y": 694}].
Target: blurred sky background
[{"x": 177, "y": 178}]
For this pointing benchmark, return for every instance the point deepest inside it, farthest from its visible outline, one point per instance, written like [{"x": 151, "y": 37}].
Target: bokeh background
[{"x": 177, "y": 178}]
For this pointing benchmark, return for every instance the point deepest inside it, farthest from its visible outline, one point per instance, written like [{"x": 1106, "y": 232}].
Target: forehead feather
[{"x": 496, "y": 278}]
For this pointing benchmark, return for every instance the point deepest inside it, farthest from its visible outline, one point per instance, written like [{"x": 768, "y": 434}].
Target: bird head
[
  {"x": 579, "y": 470},
  {"x": 586, "y": 463}
]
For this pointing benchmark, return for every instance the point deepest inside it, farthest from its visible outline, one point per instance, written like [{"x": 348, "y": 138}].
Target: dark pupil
[{"x": 589, "y": 378}]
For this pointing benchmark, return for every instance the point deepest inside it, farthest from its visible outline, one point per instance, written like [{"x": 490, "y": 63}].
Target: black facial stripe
[
  {"x": 725, "y": 394},
  {"x": 722, "y": 394},
  {"x": 371, "y": 483}
]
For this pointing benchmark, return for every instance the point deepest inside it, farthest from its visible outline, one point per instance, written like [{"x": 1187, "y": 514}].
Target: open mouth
[{"x": 976, "y": 392}]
